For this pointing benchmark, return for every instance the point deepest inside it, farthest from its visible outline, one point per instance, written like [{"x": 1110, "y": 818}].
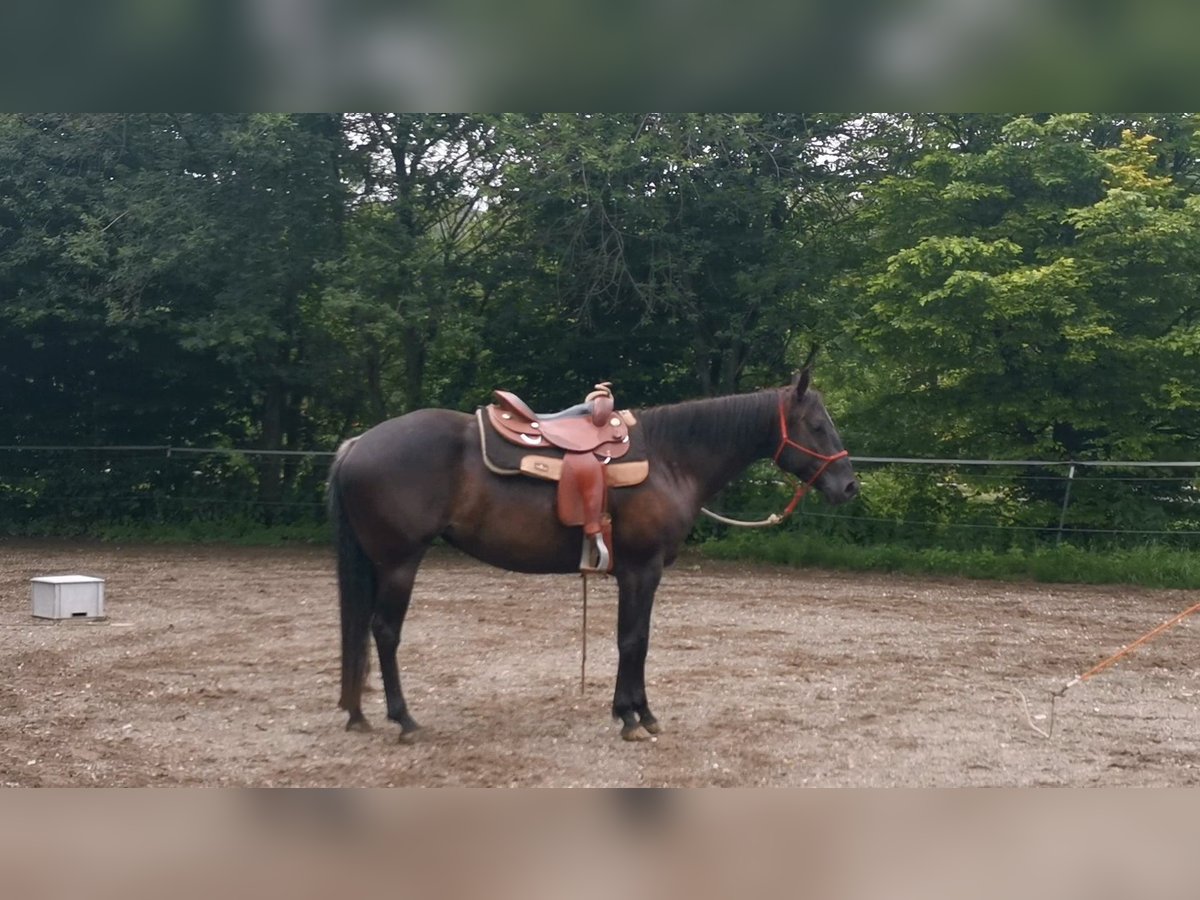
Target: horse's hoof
[
  {"x": 636, "y": 733},
  {"x": 410, "y": 735},
  {"x": 653, "y": 726},
  {"x": 359, "y": 724}
]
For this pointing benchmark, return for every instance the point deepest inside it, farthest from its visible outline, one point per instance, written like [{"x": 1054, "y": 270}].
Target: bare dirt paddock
[{"x": 218, "y": 666}]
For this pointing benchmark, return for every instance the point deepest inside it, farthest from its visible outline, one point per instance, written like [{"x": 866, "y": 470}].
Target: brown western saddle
[{"x": 577, "y": 448}]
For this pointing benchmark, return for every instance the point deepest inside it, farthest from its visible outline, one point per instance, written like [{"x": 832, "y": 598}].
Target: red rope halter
[{"x": 826, "y": 461}]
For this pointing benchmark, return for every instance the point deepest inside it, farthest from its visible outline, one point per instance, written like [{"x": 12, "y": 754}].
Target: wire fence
[
  {"x": 92, "y": 489},
  {"x": 49, "y": 489},
  {"x": 973, "y": 503}
]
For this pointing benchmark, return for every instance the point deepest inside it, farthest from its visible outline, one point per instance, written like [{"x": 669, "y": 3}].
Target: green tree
[
  {"x": 688, "y": 243},
  {"x": 1030, "y": 291},
  {"x": 87, "y": 357},
  {"x": 154, "y": 272},
  {"x": 405, "y": 298}
]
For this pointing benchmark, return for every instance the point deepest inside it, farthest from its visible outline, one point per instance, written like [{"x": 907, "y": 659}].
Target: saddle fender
[{"x": 581, "y": 491}]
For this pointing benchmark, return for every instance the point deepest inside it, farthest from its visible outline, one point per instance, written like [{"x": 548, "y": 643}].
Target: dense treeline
[{"x": 1013, "y": 286}]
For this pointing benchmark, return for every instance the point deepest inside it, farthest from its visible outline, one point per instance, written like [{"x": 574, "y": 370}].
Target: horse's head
[{"x": 809, "y": 445}]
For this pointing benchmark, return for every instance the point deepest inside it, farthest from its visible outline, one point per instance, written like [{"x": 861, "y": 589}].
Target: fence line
[
  {"x": 169, "y": 451},
  {"x": 1068, "y": 472},
  {"x": 1114, "y": 464},
  {"x": 982, "y": 526},
  {"x": 910, "y": 460}
]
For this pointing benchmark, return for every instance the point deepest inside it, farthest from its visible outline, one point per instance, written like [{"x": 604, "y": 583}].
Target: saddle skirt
[{"x": 624, "y": 462}]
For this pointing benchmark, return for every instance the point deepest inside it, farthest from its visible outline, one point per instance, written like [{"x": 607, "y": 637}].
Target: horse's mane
[{"x": 712, "y": 422}]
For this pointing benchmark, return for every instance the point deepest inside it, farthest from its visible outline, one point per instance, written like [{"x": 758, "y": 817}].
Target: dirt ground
[{"x": 218, "y": 666}]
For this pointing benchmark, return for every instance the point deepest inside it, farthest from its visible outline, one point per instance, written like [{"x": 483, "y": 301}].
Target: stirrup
[{"x": 595, "y": 543}]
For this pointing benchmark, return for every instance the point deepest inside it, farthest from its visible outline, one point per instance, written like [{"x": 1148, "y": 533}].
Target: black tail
[{"x": 356, "y": 589}]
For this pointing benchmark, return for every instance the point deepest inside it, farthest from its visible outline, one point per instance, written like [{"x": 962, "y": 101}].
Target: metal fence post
[{"x": 1062, "y": 516}]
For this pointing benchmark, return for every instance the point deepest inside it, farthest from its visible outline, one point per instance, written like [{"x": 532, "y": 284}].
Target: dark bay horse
[{"x": 409, "y": 480}]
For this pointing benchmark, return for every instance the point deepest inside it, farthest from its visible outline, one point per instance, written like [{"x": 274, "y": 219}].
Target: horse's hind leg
[
  {"x": 353, "y": 684},
  {"x": 395, "y": 591}
]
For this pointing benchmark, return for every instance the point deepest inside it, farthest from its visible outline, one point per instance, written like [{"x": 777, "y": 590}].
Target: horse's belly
[
  {"x": 522, "y": 552},
  {"x": 523, "y": 536}
]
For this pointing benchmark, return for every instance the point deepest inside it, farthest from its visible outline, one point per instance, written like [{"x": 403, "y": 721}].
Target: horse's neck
[{"x": 712, "y": 441}]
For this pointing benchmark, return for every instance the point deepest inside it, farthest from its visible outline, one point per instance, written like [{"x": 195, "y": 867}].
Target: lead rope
[
  {"x": 1048, "y": 732},
  {"x": 772, "y": 519},
  {"x": 802, "y": 487}
]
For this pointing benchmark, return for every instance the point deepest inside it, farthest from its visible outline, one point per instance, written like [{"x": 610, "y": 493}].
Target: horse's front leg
[{"x": 636, "y": 589}]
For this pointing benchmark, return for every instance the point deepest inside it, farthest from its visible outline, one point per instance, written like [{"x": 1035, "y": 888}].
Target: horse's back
[
  {"x": 422, "y": 435},
  {"x": 398, "y": 479}
]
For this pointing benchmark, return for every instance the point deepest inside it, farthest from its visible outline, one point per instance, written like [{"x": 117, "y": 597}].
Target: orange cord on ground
[
  {"x": 1048, "y": 732},
  {"x": 1104, "y": 664}
]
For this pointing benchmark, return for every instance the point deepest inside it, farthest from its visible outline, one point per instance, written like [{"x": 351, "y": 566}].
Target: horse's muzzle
[{"x": 840, "y": 489}]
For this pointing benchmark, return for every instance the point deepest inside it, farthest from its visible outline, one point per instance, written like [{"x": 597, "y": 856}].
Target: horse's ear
[
  {"x": 812, "y": 354},
  {"x": 800, "y": 382}
]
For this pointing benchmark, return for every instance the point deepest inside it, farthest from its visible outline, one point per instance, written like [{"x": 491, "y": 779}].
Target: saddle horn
[{"x": 601, "y": 400}]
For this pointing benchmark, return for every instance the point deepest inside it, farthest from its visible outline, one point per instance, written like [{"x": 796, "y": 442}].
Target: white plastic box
[{"x": 68, "y": 597}]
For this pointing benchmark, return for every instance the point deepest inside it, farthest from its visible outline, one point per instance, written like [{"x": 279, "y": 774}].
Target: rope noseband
[{"x": 826, "y": 461}]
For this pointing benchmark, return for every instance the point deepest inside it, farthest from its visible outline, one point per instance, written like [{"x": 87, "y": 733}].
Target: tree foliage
[
  {"x": 1031, "y": 291},
  {"x": 697, "y": 235},
  {"x": 1012, "y": 286}
]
